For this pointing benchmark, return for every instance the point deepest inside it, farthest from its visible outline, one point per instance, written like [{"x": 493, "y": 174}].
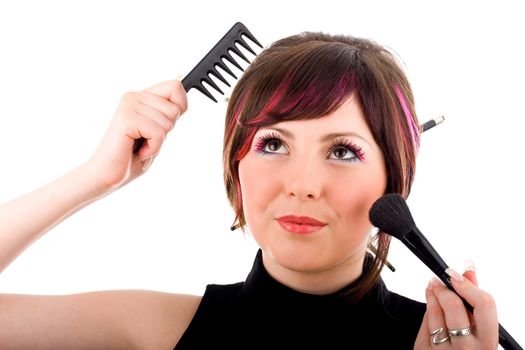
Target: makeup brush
[{"x": 391, "y": 215}]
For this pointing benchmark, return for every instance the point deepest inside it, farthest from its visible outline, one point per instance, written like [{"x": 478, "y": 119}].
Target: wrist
[{"x": 92, "y": 181}]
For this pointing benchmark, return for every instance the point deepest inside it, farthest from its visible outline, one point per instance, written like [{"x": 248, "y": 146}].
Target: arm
[
  {"x": 27, "y": 218},
  {"x": 102, "y": 320},
  {"x": 150, "y": 114},
  {"x": 98, "y": 320}
]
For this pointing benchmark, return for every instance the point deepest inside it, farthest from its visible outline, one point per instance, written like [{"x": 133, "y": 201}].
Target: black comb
[
  {"x": 207, "y": 67},
  {"x": 216, "y": 57}
]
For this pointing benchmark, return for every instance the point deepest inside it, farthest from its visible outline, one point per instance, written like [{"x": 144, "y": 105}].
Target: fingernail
[
  {"x": 469, "y": 266},
  {"x": 434, "y": 281},
  {"x": 430, "y": 284},
  {"x": 454, "y": 275},
  {"x": 179, "y": 77},
  {"x": 147, "y": 163}
]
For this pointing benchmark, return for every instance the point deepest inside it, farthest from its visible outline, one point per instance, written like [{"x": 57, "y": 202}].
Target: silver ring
[
  {"x": 436, "y": 340},
  {"x": 460, "y": 332}
]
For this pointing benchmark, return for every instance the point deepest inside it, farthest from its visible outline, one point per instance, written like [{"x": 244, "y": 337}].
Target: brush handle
[{"x": 421, "y": 247}]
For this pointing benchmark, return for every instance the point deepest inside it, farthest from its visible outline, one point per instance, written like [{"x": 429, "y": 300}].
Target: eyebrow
[{"x": 324, "y": 138}]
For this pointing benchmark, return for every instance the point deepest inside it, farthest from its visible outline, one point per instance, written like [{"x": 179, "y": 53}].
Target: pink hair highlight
[
  {"x": 245, "y": 148},
  {"x": 414, "y": 129},
  {"x": 285, "y": 104}
]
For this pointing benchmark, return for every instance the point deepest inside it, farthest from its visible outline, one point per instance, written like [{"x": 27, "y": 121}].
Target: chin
[
  {"x": 303, "y": 258},
  {"x": 318, "y": 252}
]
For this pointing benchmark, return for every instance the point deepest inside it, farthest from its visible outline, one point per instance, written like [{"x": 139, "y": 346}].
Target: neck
[{"x": 319, "y": 282}]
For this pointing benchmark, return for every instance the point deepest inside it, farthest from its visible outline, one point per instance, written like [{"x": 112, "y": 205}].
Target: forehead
[{"x": 347, "y": 118}]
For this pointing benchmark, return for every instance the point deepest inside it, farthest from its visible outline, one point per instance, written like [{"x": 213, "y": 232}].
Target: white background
[{"x": 64, "y": 66}]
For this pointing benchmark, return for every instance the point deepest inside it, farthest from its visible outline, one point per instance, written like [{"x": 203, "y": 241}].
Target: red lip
[
  {"x": 300, "y": 224},
  {"x": 301, "y": 220}
]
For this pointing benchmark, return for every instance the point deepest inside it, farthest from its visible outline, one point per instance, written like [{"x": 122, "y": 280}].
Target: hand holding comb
[{"x": 207, "y": 67}]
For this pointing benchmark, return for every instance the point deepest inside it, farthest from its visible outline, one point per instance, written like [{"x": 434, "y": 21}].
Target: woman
[{"x": 317, "y": 129}]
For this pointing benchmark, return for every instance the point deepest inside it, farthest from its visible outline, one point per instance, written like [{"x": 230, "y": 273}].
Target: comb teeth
[
  {"x": 218, "y": 75},
  {"x": 226, "y": 69},
  {"x": 238, "y": 53},
  {"x": 222, "y": 51},
  {"x": 212, "y": 84},
  {"x": 244, "y": 44},
  {"x": 228, "y": 57}
]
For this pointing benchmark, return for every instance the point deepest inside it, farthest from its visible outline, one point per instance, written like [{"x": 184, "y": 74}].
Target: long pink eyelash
[
  {"x": 263, "y": 140},
  {"x": 348, "y": 144}
]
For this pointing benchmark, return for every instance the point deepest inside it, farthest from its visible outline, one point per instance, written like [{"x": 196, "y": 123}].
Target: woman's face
[{"x": 329, "y": 169}]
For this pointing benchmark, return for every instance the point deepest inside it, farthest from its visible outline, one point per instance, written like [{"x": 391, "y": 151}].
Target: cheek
[
  {"x": 353, "y": 200},
  {"x": 258, "y": 187}
]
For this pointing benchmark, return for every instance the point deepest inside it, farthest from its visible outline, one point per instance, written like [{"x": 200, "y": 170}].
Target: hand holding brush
[{"x": 391, "y": 215}]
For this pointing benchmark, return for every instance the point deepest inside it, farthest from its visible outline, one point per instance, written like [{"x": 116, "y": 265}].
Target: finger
[
  {"x": 435, "y": 315},
  {"x": 154, "y": 115},
  {"x": 168, "y": 109},
  {"x": 138, "y": 127},
  {"x": 422, "y": 339},
  {"x": 171, "y": 90},
  {"x": 456, "y": 314},
  {"x": 485, "y": 314},
  {"x": 470, "y": 272}
]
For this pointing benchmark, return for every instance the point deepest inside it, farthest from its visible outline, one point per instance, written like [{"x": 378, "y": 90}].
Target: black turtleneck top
[{"x": 262, "y": 313}]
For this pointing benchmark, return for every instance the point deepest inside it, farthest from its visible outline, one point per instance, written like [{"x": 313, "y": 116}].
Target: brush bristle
[{"x": 390, "y": 214}]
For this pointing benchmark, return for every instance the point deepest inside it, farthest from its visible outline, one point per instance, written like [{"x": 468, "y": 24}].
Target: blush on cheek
[
  {"x": 355, "y": 203},
  {"x": 256, "y": 179},
  {"x": 258, "y": 187}
]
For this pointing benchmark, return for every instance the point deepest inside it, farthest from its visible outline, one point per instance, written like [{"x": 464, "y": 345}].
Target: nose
[{"x": 303, "y": 180}]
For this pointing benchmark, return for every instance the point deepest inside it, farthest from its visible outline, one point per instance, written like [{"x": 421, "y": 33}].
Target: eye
[
  {"x": 345, "y": 151},
  {"x": 268, "y": 144}
]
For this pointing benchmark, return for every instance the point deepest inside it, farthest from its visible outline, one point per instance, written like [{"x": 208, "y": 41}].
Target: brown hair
[{"x": 310, "y": 75}]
